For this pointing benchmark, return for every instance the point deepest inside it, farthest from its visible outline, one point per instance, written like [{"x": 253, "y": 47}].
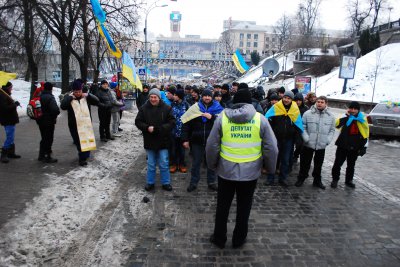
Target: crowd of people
[
  {"x": 236, "y": 132},
  {"x": 241, "y": 134},
  {"x": 303, "y": 127}
]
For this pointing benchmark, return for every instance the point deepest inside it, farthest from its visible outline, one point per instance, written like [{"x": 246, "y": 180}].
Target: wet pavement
[{"x": 288, "y": 226}]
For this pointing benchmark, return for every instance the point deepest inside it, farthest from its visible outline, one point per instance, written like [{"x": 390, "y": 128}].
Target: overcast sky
[{"x": 205, "y": 17}]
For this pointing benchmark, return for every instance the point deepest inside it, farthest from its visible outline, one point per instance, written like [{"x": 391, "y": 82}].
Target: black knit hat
[
  {"x": 242, "y": 96},
  {"x": 77, "y": 85},
  {"x": 180, "y": 93},
  {"x": 103, "y": 82},
  {"x": 48, "y": 86},
  {"x": 274, "y": 97},
  {"x": 225, "y": 87},
  {"x": 355, "y": 105},
  {"x": 298, "y": 96},
  {"x": 243, "y": 86},
  {"x": 206, "y": 92}
]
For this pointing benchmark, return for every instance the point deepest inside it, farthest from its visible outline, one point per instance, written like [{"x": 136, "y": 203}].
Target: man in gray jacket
[
  {"x": 240, "y": 144},
  {"x": 319, "y": 128}
]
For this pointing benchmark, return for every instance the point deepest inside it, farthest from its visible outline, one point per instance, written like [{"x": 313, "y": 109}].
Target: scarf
[
  {"x": 294, "y": 113},
  {"x": 362, "y": 124},
  {"x": 214, "y": 109}
]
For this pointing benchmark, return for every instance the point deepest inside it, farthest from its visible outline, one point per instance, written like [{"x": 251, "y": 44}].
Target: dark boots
[
  {"x": 317, "y": 183},
  {"x": 11, "y": 153},
  {"x": 4, "y": 155},
  {"x": 46, "y": 158}
]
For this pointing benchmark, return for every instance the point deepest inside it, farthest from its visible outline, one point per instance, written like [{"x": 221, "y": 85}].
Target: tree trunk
[
  {"x": 29, "y": 35},
  {"x": 65, "y": 56}
]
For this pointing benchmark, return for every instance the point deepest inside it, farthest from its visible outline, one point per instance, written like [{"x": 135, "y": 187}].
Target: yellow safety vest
[{"x": 241, "y": 142}]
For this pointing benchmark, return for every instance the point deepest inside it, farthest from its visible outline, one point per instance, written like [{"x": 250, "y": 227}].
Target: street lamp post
[{"x": 151, "y": 7}]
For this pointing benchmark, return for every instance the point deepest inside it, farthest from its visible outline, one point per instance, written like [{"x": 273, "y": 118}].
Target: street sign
[{"x": 142, "y": 72}]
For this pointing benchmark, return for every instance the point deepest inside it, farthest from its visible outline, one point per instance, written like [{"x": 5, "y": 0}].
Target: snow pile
[
  {"x": 55, "y": 218},
  {"x": 21, "y": 92}
]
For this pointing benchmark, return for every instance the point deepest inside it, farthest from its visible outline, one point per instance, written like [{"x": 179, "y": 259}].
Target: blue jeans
[
  {"x": 10, "y": 134},
  {"x": 285, "y": 153},
  {"x": 159, "y": 157},
  {"x": 198, "y": 152}
]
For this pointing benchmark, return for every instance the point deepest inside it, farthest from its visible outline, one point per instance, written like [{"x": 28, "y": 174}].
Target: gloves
[
  {"x": 17, "y": 103},
  {"x": 362, "y": 151}
]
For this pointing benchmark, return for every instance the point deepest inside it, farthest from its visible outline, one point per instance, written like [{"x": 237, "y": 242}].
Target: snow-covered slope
[{"x": 385, "y": 60}]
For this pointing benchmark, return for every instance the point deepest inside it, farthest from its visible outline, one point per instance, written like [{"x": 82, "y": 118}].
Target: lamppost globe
[{"x": 152, "y": 6}]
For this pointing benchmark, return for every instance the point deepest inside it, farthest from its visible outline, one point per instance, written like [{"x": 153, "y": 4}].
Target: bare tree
[
  {"x": 359, "y": 11},
  {"x": 377, "y": 5},
  {"x": 307, "y": 14},
  {"x": 283, "y": 29},
  {"x": 27, "y": 34}
]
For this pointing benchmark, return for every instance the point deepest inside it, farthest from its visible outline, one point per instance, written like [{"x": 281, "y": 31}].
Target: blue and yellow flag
[
  {"x": 109, "y": 41},
  {"x": 5, "y": 77},
  {"x": 98, "y": 11},
  {"x": 129, "y": 71},
  {"x": 294, "y": 113},
  {"x": 239, "y": 62},
  {"x": 362, "y": 123}
]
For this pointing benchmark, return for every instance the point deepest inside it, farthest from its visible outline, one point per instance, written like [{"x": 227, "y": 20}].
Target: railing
[{"x": 386, "y": 26}]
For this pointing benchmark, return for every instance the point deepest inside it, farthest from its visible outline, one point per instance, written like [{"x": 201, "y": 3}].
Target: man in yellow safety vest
[{"x": 240, "y": 144}]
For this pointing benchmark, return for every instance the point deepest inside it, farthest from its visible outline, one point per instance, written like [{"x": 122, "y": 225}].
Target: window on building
[
  {"x": 240, "y": 44},
  {"x": 273, "y": 40},
  {"x": 255, "y": 36},
  {"x": 249, "y": 36},
  {"x": 241, "y": 36},
  {"x": 267, "y": 39},
  {"x": 267, "y": 46},
  {"x": 247, "y": 52},
  {"x": 255, "y": 44},
  {"x": 248, "y": 44}
]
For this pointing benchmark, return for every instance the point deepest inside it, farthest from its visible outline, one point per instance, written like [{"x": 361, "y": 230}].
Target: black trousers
[
  {"x": 306, "y": 157},
  {"x": 341, "y": 156},
  {"x": 47, "y": 135},
  {"x": 244, "y": 198},
  {"x": 105, "y": 120}
]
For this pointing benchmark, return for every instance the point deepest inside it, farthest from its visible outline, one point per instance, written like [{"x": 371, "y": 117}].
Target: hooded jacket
[
  {"x": 319, "y": 128},
  {"x": 241, "y": 113}
]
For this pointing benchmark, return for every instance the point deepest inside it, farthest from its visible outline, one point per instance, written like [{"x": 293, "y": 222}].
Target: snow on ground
[
  {"x": 21, "y": 92},
  {"x": 54, "y": 218},
  {"x": 385, "y": 60}
]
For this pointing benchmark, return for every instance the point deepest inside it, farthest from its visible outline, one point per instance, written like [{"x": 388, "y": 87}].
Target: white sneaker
[{"x": 117, "y": 134}]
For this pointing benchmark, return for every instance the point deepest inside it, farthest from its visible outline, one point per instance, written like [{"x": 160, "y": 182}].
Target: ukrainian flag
[
  {"x": 294, "y": 113},
  {"x": 98, "y": 11},
  {"x": 239, "y": 62},
  {"x": 109, "y": 41},
  {"x": 5, "y": 77},
  {"x": 129, "y": 71}
]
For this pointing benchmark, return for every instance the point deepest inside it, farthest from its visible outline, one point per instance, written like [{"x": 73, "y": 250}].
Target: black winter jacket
[
  {"x": 346, "y": 140},
  {"x": 50, "y": 109},
  {"x": 163, "y": 121},
  {"x": 284, "y": 128},
  {"x": 66, "y": 105},
  {"x": 141, "y": 99},
  {"x": 196, "y": 131},
  {"x": 105, "y": 97},
  {"x": 8, "y": 109}
]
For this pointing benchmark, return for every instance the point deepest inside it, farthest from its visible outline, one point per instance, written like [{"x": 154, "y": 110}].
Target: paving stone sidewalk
[{"x": 288, "y": 227}]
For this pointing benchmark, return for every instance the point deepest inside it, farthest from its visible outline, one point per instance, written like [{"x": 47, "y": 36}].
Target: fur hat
[
  {"x": 180, "y": 93},
  {"x": 77, "y": 85}
]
